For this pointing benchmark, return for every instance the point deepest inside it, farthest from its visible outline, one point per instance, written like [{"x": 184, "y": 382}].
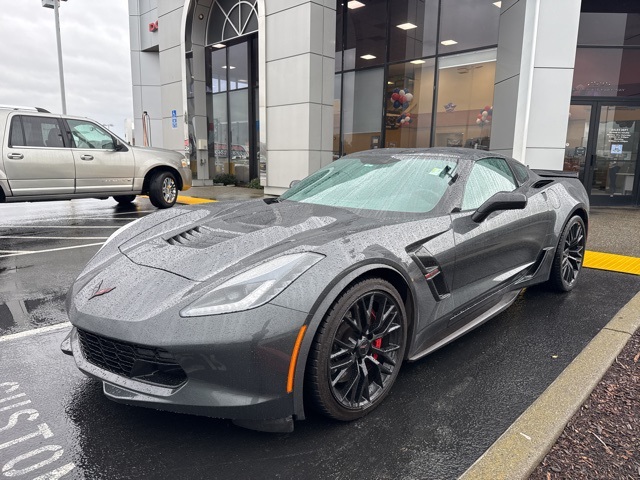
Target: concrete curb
[{"x": 522, "y": 447}]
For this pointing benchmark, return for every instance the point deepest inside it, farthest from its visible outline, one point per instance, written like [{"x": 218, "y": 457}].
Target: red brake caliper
[{"x": 378, "y": 342}]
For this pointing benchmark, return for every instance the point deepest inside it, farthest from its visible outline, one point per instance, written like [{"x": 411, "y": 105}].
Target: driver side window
[
  {"x": 89, "y": 135},
  {"x": 488, "y": 177}
]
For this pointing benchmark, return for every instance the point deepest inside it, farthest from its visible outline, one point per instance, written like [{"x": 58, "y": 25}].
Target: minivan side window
[
  {"x": 17, "y": 137},
  {"x": 38, "y": 132},
  {"x": 488, "y": 177},
  {"x": 89, "y": 135}
]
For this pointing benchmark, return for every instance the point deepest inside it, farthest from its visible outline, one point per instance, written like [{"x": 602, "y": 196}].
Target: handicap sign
[
  {"x": 174, "y": 114},
  {"x": 174, "y": 123}
]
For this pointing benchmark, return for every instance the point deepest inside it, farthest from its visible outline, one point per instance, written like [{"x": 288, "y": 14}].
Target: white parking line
[
  {"x": 59, "y": 226},
  {"x": 32, "y": 252},
  {"x": 52, "y": 238},
  {"x": 28, "y": 333}
]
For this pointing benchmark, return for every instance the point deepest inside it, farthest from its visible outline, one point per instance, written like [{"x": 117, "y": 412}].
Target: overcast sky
[{"x": 95, "y": 54}]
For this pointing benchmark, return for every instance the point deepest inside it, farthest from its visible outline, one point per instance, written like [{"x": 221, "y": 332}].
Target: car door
[
  {"x": 100, "y": 167},
  {"x": 38, "y": 160},
  {"x": 493, "y": 252}
]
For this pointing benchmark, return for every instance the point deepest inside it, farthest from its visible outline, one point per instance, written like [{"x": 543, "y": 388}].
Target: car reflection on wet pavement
[{"x": 44, "y": 246}]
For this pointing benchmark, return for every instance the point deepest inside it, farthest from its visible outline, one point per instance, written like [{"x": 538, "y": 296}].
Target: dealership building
[{"x": 275, "y": 89}]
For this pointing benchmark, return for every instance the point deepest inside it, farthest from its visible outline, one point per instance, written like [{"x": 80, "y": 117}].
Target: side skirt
[{"x": 504, "y": 303}]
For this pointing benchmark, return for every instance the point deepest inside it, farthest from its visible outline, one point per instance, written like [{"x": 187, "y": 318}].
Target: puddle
[{"x": 19, "y": 315}]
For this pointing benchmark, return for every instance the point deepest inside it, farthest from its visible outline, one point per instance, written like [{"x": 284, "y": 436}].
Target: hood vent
[{"x": 201, "y": 237}]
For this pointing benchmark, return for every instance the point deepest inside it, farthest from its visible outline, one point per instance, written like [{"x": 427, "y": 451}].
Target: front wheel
[
  {"x": 358, "y": 350},
  {"x": 567, "y": 261},
  {"x": 163, "y": 190},
  {"x": 124, "y": 199}
]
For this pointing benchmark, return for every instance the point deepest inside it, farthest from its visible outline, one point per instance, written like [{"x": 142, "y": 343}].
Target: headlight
[
  {"x": 254, "y": 287},
  {"x": 185, "y": 162}
]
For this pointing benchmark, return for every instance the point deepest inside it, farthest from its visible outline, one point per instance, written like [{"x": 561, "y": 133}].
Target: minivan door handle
[
  {"x": 15, "y": 156},
  {"x": 86, "y": 157}
]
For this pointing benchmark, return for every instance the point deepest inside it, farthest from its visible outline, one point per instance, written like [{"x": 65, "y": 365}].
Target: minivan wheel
[
  {"x": 124, "y": 199},
  {"x": 163, "y": 190}
]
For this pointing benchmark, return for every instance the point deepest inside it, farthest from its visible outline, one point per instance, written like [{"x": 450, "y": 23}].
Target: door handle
[
  {"x": 86, "y": 157},
  {"x": 15, "y": 156}
]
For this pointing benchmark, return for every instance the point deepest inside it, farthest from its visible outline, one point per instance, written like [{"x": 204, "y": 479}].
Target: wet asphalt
[{"x": 443, "y": 413}]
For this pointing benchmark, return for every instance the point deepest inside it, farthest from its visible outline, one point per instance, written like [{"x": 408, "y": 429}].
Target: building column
[
  {"x": 534, "y": 73},
  {"x": 297, "y": 55}
]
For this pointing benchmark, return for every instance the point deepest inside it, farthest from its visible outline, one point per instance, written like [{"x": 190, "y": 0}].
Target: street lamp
[{"x": 54, "y": 4}]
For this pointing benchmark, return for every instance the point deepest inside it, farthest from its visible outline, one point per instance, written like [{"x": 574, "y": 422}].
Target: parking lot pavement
[
  {"x": 44, "y": 246},
  {"x": 442, "y": 414}
]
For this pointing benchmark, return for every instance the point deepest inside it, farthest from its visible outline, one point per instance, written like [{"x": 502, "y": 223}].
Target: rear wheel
[
  {"x": 124, "y": 199},
  {"x": 163, "y": 190},
  {"x": 567, "y": 261},
  {"x": 358, "y": 350}
]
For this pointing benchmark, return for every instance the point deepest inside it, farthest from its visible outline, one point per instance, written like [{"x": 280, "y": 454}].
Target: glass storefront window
[
  {"x": 613, "y": 29},
  {"x": 366, "y": 41},
  {"x": 575, "y": 153},
  {"x": 362, "y": 110},
  {"x": 239, "y": 118},
  {"x": 413, "y": 29},
  {"x": 465, "y": 93},
  {"x": 409, "y": 101},
  {"x": 238, "y": 68},
  {"x": 218, "y": 74},
  {"x": 218, "y": 128},
  {"x": 339, "y": 27},
  {"x": 337, "y": 87},
  {"x": 606, "y": 72},
  {"x": 467, "y": 24}
]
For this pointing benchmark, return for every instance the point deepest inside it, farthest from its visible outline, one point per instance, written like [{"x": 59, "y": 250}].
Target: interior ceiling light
[
  {"x": 353, "y": 4},
  {"x": 448, "y": 42},
  {"x": 407, "y": 26},
  {"x": 418, "y": 62},
  {"x": 230, "y": 67},
  {"x": 368, "y": 56},
  {"x": 498, "y": 4},
  {"x": 219, "y": 45},
  {"x": 390, "y": 83}
]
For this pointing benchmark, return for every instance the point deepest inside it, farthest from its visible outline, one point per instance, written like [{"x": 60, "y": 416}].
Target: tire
[
  {"x": 567, "y": 262},
  {"x": 124, "y": 199},
  {"x": 355, "y": 358},
  {"x": 163, "y": 190}
]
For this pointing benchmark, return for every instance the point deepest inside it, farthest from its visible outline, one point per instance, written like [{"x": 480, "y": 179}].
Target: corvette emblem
[{"x": 101, "y": 291}]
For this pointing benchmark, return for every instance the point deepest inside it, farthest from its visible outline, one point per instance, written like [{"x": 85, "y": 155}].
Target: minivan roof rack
[{"x": 32, "y": 109}]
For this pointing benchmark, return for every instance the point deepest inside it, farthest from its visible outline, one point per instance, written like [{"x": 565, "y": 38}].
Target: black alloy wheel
[
  {"x": 358, "y": 350},
  {"x": 567, "y": 262}
]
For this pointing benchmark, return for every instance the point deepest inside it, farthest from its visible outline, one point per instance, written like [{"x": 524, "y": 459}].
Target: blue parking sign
[{"x": 174, "y": 122}]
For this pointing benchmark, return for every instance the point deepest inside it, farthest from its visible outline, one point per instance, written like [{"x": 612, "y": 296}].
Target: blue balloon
[
  {"x": 405, "y": 105},
  {"x": 396, "y": 90},
  {"x": 396, "y": 104},
  {"x": 398, "y": 120}
]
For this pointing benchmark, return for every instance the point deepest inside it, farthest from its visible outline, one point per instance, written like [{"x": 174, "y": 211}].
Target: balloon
[
  {"x": 405, "y": 105},
  {"x": 479, "y": 116},
  {"x": 491, "y": 111},
  {"x": 394, "y": 96},
  {"x": 396, "y": 90},
  {"x": 410, "y": 120},
  {"x": 478, "y": 121},
  {"x": 398, "y": 120},
  {"x": 409, "y": 97},
  {"x": 402, "y": 92},
  {"x": 485, "y": 114},
  {"x": 487, "y": 108},
  {"x": 408, "y": 115},
  {"x": 402, "y": 99}
]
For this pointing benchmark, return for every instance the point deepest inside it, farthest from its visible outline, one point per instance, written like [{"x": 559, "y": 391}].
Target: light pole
[{"x": 55, "y": 4}]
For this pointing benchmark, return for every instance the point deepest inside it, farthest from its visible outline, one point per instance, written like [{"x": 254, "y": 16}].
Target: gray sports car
[{"x": 255, "y": 310}]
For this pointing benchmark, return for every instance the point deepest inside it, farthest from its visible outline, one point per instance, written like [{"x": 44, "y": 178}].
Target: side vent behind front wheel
[
  {"x": 432, "y": 273},
  {"x": 542, "y": 183}
]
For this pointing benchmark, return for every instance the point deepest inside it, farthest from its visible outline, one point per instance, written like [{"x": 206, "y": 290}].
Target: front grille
[{"x": 147, "y": 364}]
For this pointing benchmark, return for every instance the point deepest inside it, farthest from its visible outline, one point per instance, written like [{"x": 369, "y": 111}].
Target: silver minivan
[{"x": 58, "y": 157}]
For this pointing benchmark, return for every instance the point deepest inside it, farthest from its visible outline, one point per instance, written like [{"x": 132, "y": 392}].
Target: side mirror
[
  {"x": 500, "y": 201},
  {"x": 118, "y": 146},
  {"x": 294, "y": 183}
]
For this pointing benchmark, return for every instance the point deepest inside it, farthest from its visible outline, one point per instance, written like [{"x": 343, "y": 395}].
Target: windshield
[{"x": 411, "y": 183}]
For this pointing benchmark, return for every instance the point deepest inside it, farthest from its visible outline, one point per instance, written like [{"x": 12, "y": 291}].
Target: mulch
[{"x": 602, "y": 440}]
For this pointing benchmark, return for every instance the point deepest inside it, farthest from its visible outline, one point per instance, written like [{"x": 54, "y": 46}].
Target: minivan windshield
[{"x": 409, "y": 183}]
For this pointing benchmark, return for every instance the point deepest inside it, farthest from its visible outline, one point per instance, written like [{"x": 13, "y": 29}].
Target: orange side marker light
[{"x": 294, "y": 358}]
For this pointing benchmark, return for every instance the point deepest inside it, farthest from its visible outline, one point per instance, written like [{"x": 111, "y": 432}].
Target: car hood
[
  {"x": 207, "y": 241},
  {"x": 145, "y": 153}
]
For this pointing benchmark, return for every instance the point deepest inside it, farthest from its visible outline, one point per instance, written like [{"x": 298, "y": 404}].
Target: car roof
[{"x": 464, "y": 154}]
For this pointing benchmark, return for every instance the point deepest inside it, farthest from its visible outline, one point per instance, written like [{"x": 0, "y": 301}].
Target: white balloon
[
  {"x": 401, "y": 92},
  {"x": 409, "y": 97}
]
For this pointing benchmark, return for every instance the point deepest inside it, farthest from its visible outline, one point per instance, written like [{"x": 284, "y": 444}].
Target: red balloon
[
  {"x": 479, "y": 116},
  {"x": 402, "y": 99},
  {"x": 395, "y": 96},
  {"x": 487, "y": 108}
]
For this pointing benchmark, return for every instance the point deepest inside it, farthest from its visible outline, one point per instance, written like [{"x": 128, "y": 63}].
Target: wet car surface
[{"x": 444, "y": 412}]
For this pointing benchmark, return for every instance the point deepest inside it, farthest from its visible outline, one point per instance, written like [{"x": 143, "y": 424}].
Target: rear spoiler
[{"x": 555, "y": 173}]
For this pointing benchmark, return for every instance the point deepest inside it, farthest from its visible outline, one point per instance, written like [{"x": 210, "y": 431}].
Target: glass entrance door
[{"x": 603, "y": 143}]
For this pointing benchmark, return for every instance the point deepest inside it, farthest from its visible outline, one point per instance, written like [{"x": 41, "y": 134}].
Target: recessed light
[
  {"x": 354, "y": 4},
  {"x": 407, "y": 26},
  {"x": 498, "y": 4},
  {"x": 219, "y": 45},
  {"x": 418, "y": 62},
  {"x": 390, "y": 83},
  {"x": 448, "y": 42},
  {"x": 368, "y": 57},
  {"x": 230, "y": 67}
]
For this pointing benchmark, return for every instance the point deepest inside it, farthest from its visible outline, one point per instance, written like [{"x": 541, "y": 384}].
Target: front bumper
[{"x": 238, "y": 371}]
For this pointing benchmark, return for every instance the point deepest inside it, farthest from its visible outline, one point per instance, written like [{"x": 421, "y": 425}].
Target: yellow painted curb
[
  {"x": 612, "y": 262},
  {"x": 193, "y": 200}
]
